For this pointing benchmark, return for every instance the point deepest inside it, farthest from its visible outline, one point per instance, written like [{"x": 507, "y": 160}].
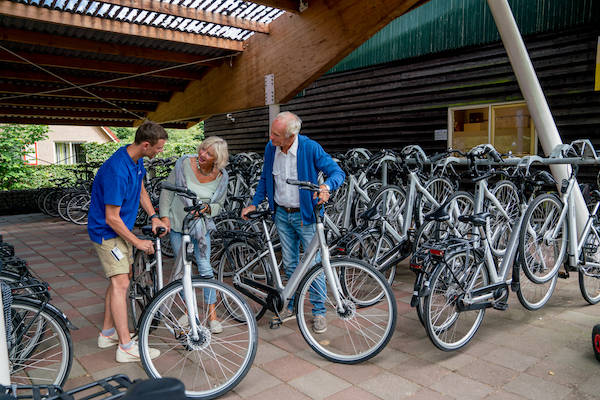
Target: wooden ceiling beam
[
  {"x": 89, "y": 104},
  {"x": 138, "y": 95},
  {"x": 299, "y": 49},
  {"x": 48, "y": 60},
  {"x": 62, "y": 113},
  {"x": 291, "y": 6},
  {"x": 96, "y": 46},
  {"x": 45, "y": 15},
  {"x": 191, "y": 13},
  {"x": 128, "y": 83},
  {"x": 9, "y": 119}
]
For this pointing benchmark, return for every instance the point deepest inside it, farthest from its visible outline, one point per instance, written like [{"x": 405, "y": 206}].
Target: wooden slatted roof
[{"x": 118, "y": 62}]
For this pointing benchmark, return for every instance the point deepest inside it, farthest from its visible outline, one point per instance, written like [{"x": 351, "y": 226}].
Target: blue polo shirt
[{"x": 118, "y": 182}]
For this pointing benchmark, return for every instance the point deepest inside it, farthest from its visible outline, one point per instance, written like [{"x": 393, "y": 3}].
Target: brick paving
[{"x": 516, "y": 354}]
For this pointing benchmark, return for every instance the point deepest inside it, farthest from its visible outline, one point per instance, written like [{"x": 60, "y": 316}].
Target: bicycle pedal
[
  {"x": 275, "y": 323},
  {"x": 563, "y": 274},
  {"x": 500, "y": 305}
]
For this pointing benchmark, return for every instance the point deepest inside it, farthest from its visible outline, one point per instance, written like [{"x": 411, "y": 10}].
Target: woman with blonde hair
[{"x": 205, "y": 175}]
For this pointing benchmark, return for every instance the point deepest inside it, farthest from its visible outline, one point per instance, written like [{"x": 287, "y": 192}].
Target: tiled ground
[{"x": 516, "y": 354}]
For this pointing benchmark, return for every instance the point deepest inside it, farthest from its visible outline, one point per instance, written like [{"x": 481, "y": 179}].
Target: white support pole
[
  {"x": 4, "y": 372},
  {"x": 532, "y": 91}
]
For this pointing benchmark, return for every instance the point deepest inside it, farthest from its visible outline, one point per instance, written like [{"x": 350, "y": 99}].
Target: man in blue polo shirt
[
  {"x": 117, "y": 193},
  {"x": 290, "y": 155}
]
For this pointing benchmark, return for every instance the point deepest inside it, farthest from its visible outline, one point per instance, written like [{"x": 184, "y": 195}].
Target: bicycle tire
[
  {"x": 211, "y": 366},
  {"x": 499, "y": 227},
  {"x": 540, "y": 257},
  {"x": 440, "y": 188},
  {"x": 370, "y": 246},
  {"x": 78, "y": 207},
  {"x": 390, "y": 202},
  {"x": 46, "y": 360},
  {"x": 534, "y": 296},
  {"x": 447, "y": 328},
  {"x": 589, "y": 274},
  {"x": 358, "y": 334},
  {"x": 237, "y": 255},
  {"x": 360, "y": 205},
  {"x": 142, "y": 287}
]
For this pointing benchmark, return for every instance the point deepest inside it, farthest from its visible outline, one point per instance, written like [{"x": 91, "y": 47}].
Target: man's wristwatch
[{"x": 155, "y": 216}]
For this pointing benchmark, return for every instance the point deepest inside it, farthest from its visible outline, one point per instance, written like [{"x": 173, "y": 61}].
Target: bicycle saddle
[
  {"x": 440, "y": 215},
  {"x": 370, "y": 215},
  {"x": 259, "y": 214},
  {"x": 475, "y": 219}
]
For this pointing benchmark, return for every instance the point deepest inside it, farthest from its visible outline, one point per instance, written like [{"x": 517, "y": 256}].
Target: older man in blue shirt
[{"x": 290, "y": 155}]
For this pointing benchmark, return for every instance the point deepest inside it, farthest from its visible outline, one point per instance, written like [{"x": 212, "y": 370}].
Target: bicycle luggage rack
[{"x": 109, "y": 388}]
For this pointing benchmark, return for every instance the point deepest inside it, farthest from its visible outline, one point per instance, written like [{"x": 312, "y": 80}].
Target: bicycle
[
  {"x": 359, "y": 303},
  {"x": 177, "y": 322},
  {"x": 549, "y": 230}
]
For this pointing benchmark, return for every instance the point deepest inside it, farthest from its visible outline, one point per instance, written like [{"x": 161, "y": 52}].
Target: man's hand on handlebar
[
  {"x": 246, "y": 210},
  {"x": 323, "y": 193},
  {"x": 145, "y": 245},
  {"x": 158, "y": 223}
]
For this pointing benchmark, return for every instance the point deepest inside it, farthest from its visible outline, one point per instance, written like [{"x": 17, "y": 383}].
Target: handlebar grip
[
  {"x": 437, "y": 157},
  {"x": 302, "y": 184},
  {"x": 178, "y": 189}
]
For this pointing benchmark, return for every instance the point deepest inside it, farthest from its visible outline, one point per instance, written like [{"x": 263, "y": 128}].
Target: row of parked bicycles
[{"x": 475, "y": 225}]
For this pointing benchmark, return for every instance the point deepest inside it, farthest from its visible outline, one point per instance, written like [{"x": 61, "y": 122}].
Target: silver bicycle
[
  {"x": 177, "y": 322},
  {"x": 355, "y": 299}
]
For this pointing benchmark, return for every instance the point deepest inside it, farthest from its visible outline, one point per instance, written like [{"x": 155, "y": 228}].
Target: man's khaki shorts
[{"x": 108, "y": 258}]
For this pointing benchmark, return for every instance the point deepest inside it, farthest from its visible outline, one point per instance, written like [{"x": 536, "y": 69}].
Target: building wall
[
  {"x": 67, "y": 133},
  {"x": 395, "y": 104}
]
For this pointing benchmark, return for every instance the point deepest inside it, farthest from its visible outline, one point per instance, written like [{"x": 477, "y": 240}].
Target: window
[
  {"x": 508, "y": 127},
  {"x": 31, "y": 156},
  {"x": 69, "y": 153}
]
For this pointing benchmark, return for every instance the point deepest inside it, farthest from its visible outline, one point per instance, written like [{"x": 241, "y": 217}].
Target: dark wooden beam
[
  {"x": 45, "y": 15},
  {"x": 63, "y": 121},
  {"x": 62, "y": 113},
  {"x": 129, "y": 83},
  {"x": 192, "y": 13},
  {"x": 110, "y": 94},
  {"x": 48, "y": 60},
  {"x": 95, "y": 46},
  {"x": 299, "y": 49},
  {"x": 89, "y": 104}
]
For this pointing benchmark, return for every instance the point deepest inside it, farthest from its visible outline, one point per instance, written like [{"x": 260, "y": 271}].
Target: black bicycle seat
[
  {"x": 439, "y": 215},
  {"x": 259, "y": 214},
  {"x": 475, "y": 219},
  {"x": 370, "y": 215}
]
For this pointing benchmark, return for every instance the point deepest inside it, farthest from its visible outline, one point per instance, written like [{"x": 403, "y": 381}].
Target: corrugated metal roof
[{"x": 451, "y": 24}]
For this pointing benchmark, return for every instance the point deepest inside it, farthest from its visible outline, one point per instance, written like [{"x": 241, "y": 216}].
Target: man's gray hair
[{"x": 293, "y": 123}]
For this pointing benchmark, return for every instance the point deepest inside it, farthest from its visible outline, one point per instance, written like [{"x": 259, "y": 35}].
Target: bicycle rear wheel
[
  {"x": 534, "y": 296},
  {"x": 42, "y": 350},
  {"x": 142, "y": 288},
  {"x": 541, "y": 254},
  {"x": 448, "y": 328},
  {"x": 213, "y": 364},
  {"x": 589, "y": 271},
  {"x": 236, "y": 256},
  {"x": 359, "y": 332}
]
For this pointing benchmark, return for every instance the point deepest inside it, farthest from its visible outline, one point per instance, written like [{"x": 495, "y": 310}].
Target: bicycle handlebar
[
  {"x": 304, "y": 185},
  {"x": 178, "y": 189}
]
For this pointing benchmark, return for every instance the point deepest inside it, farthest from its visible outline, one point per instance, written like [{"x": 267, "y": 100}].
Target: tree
[{"x": 14, "y": 142}]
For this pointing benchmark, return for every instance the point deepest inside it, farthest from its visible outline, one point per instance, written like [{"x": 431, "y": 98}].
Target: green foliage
[
  {"x": 14, "y": 140},
  {"x": 14, "y": 174}
]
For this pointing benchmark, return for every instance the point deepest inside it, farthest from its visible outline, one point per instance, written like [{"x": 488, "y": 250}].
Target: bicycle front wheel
[
  {"x": 543, "y": 238},
  {"x": 589, "y": 271},
  {"x": 356, "y": 333},
  {"x": 448, "y": 328},
  {"x": 211, "y": 365},
  {"x": 40, "y": 352}
]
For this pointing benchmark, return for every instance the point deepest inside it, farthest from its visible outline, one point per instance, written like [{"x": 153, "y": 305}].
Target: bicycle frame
[
  {"x": 574, "y": 242},
  {"x": 287, "y": 292}
]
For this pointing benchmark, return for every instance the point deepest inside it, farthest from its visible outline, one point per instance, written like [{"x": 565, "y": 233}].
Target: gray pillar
[{"x": 532, "y": 91}]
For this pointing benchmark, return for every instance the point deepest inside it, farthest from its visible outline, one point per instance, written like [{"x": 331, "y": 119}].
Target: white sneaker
[
  {"x": 133, "y": 354},
  {"x": 108, "y": 341},
  {"x": 215, "y": 326}
]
